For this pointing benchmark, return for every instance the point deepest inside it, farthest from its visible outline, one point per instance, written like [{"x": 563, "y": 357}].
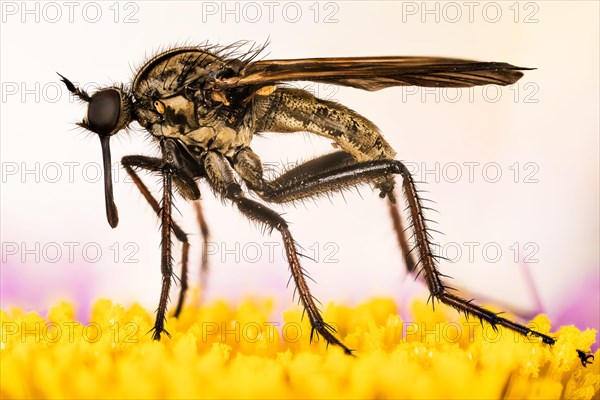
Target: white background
[{"x": 547, "y": 123}]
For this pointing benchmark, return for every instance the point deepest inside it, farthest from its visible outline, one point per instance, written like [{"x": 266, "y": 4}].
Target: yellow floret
[{"x": 221, "y": 351}]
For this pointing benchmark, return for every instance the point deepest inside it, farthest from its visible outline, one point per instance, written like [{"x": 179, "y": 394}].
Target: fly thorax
[
  {"x": 219, "y": 137},
  {"x": 179, "y": 112}
]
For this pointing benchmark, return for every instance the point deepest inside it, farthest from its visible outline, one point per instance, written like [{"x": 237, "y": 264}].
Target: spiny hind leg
[
  {"x": 293, "y": 110},
  {"x": 401, "y": 238},
  {"x": 299, "y": 183}
]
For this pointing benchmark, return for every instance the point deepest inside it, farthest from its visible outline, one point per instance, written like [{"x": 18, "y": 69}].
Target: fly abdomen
[{"x": 292, "y": 110}]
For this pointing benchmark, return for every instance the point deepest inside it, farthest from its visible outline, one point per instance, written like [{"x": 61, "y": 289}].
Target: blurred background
[{"x": 513, "y": 170}]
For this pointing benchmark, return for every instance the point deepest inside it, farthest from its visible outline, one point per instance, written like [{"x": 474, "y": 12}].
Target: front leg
[
  {"x": 172, "y": 173},
  {"x": 131, "y": 163},
  {"x": 166, "y": 260}
]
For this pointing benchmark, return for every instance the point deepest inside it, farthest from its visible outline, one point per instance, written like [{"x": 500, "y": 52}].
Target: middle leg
[{"x": 220, "y": 177}]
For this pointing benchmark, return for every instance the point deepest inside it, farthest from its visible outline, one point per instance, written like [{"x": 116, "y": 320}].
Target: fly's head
[{"x": 109, "y": 111}]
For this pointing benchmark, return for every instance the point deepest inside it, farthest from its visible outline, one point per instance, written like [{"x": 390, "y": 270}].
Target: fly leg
[
  {"x": 338, "y": 173},
  {"x": 205, "y": 235},
  {"x": 171, "y": 174},
  {"x": 249, "y": 167},
  {"x": 400, "y": 230},
  {"x": 132, "y": 162},
  {"x": 221, "y": 179}
]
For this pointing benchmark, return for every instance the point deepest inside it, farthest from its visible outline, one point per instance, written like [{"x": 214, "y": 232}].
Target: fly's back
[
  {"x": 171, "y": 71},
  {"x": 174, "y": 98}
]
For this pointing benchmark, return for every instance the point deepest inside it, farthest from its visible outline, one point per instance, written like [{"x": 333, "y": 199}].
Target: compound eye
[{"x": 104, "y": 111}]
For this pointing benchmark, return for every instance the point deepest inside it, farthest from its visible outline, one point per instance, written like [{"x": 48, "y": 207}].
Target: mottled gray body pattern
[{"x": 203, "y": 105}]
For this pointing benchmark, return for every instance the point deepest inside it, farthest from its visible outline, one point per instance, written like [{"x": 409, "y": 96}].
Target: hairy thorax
[
  {"x": 172, "y": 102},
  {"x": 200, "y": 130}
]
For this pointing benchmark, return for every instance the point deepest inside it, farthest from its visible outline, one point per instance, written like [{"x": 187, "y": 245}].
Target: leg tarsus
[
  {"x": 327, "y": 332},
  {"x": 494, "y": 319},
  {"x": 584, "y": 357},
  {"x": 156, "y": 332}
]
